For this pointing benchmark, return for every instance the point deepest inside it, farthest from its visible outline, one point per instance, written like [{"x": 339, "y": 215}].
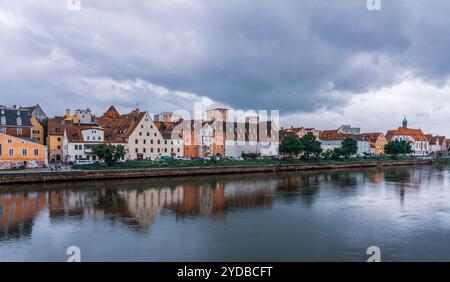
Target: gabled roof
[
  {"x": 111, "y": 112},
  {"x": 439, "y": 140},
  {"x": 416, "y": 134},
  {"x": 11, "y": 115},
  {"x": 119, "y": 128},
  {"x": 329, "y": 135},
  {"x": 373, "y": 136},
  {"x": 74, "y": 133}
]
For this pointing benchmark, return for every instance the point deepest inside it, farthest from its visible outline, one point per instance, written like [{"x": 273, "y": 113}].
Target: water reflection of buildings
[
  {"x": 144, "y": 205},
  {"x": 216, "y": 198},
  {"x": 138, "y": 207},
  {"x": 17, "y": 211}
]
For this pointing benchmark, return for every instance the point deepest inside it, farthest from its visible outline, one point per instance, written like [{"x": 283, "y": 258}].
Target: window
[
  {"x": 151, "y": 150},
  {"x": 19, "y": 121},
  {"x": 140, "y": 133},
  {"x": 58, "y": 139},
  {"x": 59, "y": 147},
  {"x": 35, "y": 131},
  {"x": 19, "y": 131},
  {"x": 2, "y": 130},
  {"x": 137, "y": 150},
  {"x": 142, "y": 126},
  {"x": 148, "y": 133},
  {"x": 144, "y": 150},
  {"x": 159, "y": 141},
  {"x": 136, "y": 141},
  {"x": 24, "y": 152},
  {"x": 88, "y": 138},
  {"x": 165, "y": 142},
  {"x": 3, "y": 119},
  {"x": 159, "y": 150},
  {"x": 178, "y": 150},
  {"x": 9, "y": 141},
  {"x": 151, "y": 141},
  {"x": 36, "y": 152},
  {"x": 165, "y": 150},
  {"x": 11, "y": 152},
  {"x": 145, "y": 141}
]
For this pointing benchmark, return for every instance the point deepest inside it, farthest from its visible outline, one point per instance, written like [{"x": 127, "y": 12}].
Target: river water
[{"x": 296, "y": 216}]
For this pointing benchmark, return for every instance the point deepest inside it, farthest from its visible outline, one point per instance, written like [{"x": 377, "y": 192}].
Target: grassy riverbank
[{"x": 229, "y": 163}]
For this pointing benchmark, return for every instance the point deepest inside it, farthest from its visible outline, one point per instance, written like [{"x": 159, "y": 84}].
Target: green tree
[
  {"x": 310, "y": 146},
  {"x": 337, "y": 153},
  {"x": 396, "y": 147},
  {"x": 162, "y": 127},
  {"x": 109, "y": 153},
  {"x": 349, "y": 147},
  {"x": 291, "y": 146}
]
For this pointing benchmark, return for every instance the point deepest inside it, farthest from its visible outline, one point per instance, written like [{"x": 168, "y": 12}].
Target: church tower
[{"x": 405, "y": 123}]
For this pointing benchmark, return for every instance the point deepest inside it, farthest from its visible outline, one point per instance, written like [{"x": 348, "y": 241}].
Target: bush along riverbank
[
  {"x": 231, "y": 163},
  {"x": 441, "y": 161}
]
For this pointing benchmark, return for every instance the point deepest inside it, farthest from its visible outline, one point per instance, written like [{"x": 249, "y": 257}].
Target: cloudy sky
[{"x": 321, "y": 63}]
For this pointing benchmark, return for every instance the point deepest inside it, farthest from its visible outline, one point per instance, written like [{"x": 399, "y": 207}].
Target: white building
[
  {"x": 415, "y": 137},
  {"x": 140, "y": 136},
  {"x": 78, "y": 142},
  {"x": 332, "y": 139}
]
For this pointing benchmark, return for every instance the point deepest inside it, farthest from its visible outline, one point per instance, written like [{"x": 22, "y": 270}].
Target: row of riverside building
[
  {"x": 373, "y": 143},
  {"x": 29, "y": 138}
]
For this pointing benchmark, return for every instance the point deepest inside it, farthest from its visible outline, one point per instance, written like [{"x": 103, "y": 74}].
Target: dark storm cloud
[{"x": 287, "y": 55}]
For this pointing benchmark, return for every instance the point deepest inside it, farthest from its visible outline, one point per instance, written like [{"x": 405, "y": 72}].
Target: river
[{"x": 294, "y": 216}]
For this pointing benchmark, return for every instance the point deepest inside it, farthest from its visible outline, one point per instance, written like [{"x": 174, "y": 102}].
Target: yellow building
[
  {"x": 37, "y": 131},
  {"x": 377, "y": 142},
  {"x": 15, "y": 152},
  {"x": 56, "y": 127}
]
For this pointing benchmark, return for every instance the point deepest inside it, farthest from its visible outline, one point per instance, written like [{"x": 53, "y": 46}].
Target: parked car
[{"x": 165, "y": 158}]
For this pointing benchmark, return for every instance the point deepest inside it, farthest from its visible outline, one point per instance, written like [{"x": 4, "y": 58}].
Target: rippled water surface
[{"x": 298, "y": 216}]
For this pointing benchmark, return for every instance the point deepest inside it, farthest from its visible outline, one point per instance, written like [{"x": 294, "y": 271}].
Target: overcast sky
[{"x": 321, "y": 63}]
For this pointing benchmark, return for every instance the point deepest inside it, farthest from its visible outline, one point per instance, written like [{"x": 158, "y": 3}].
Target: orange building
[{"x": 16, "y": 152}]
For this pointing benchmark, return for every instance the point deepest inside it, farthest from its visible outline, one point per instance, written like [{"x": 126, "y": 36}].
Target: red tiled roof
[
  {"x": 373, "y": 137},
  {"x": 119, "y": 128},
  {"x": 416, "y": 134},
  {"x": 74, "y": 134},
  {"x": 439, "y": 140},
  {"x": 327, "y": 135}
]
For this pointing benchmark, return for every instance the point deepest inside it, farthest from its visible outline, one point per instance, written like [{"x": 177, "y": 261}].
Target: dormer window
[
  {"x": 18, "y": 113},
  {"x": 3, "y": 120},
  {"x": 19, "y": 121}
]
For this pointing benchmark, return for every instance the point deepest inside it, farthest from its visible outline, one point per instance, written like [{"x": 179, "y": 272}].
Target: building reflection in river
[{"x": 139, "y": 204}]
